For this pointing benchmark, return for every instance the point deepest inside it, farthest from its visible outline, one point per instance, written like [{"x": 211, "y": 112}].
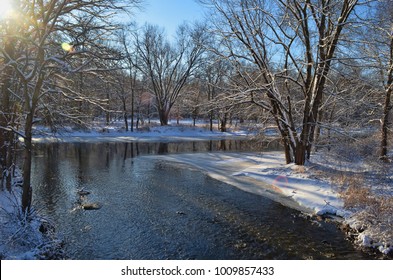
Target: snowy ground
[
  {"x": 148, "y": 133},
  {"x": 266, "y": 174},
  {"x": 317, "y": 188},
  {"x": 23, "y": 238}
]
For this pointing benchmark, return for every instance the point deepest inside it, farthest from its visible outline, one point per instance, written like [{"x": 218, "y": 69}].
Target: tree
[
  {"x": 8, "y": 106},
  {"x": 293, "y": 44},
  {"x": 40, "y": 56},
  {"x": 379, "y": 52},
  {"x": 216, "y": 76},
  {"x": 169, "y": 65},
  {"x": 131, "y": 62}
]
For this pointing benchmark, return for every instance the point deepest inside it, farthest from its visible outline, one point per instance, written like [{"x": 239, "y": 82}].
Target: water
[{"x": 154, "y": 210}]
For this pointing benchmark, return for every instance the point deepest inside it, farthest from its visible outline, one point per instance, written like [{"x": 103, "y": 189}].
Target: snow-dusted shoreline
[
  {"x": 266, "y": 174},
  {"x": 303, "y": 188},
  {"x": 306, "y": 189},
  {"x": 22, "y": 237},
  {"x": 149, "y": 134}
]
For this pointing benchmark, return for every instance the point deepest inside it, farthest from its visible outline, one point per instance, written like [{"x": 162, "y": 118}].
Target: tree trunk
[
  {"x": 318, "y": 130},
  {"x": 387, "y": 107},
  {"x": 9, "y": 162},
  {"x": 78, "y": 104},
  {"x": 164, "y": 116},
  {"x": 107, "y": 114},
  {"x": 4, "y": 123},
  {"x": 178, "y": 115},
  {"x": 132, "y": 109},
  {"x": 6, "y": 137},
  {"x": 211, "y": 121},
  {"x": 27, "y": 190},
  {"x": 125, "y": 120},
  {"x": 210, "y": 94},
  {"x": 386, "y": 124},
  {"x": 300, "y": 154},
  {"x": 125, "y": 116},
  {"x": 223, "y": 123},
  {"x": 5, "y": 141},
  {"x": 287, "y": 151},
  {"x": 31, "y": 105},
  {"x": 132, "y": 84}
]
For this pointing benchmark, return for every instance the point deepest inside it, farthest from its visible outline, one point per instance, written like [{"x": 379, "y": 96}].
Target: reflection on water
[{"x": 154, "y": 210}]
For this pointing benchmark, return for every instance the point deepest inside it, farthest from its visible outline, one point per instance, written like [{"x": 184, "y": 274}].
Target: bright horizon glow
[{"x": 6, "y": 8}]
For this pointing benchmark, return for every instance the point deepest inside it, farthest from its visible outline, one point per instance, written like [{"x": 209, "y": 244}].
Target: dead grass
[
  {"x": 365, "y": 184},
  {"x": 299, "y": 169},
  {"x": 373, "y": 212},
  {"x": 358, "y": 197}
]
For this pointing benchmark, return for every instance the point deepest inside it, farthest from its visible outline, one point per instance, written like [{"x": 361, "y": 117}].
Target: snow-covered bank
[
  {"x": 146, "y": 134},
  {"x": 22, "y": 237},
  {"x": 309, "y": 189},
  {"x": 325, "y": 185},
  {"x": 267, "y": 174}
]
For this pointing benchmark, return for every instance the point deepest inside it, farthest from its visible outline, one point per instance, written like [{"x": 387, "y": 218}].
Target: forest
[{"x": 318, "y": 71}]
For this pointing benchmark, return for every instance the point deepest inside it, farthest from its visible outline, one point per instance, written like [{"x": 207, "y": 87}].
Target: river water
[{"x": 151, "y": 209}]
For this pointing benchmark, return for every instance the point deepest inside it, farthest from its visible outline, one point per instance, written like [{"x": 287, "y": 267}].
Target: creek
[{"x": 150, "y": 209}]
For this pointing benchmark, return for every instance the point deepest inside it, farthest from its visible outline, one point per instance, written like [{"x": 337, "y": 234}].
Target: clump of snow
[{"x": 365, "y": 240}]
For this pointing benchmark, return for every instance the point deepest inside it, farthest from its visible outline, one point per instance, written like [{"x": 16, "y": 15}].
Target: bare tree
[
  {"x": 379, "y": 50},
  {"x": 130, "y": 62},
  {"x": 216, "y": 75},
  {"x": 168, "y": 65},
  {"x": 293, "y": 44},
  {"x": 39, "y": 61},
  {"x": 8, "y": 104}
]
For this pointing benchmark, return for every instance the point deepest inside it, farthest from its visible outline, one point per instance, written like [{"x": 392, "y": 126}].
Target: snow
[
  {"x": 148, "y": 134},
  {"x": 269, "y": 173},
  {"x": 301, "y": 188},
  {"x": 20, "y": 237},
  {"x": 305, "y": 188}
]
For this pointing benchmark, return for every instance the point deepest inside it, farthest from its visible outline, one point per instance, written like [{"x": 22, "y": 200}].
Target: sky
[
  {"x": 165, "y": 13},
  {"x": 169, "y": 13}
]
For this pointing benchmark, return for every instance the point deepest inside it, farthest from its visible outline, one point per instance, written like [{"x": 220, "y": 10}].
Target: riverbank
[
  {"x": 357, "y": 193},
  {"x": 158, "y": 210},
  {"x": 34, "y": 237},
  {"x": 149, "y": 133},
  {"x": 357, "y": 190},
  {"x": 24, "y": 237}
]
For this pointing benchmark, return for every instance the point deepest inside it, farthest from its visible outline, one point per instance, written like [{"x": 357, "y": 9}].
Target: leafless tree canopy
[
  {"x": 169, "y": 65},
  {"x": 42, "y": 44},
  {"x": 290, "y": 48}
]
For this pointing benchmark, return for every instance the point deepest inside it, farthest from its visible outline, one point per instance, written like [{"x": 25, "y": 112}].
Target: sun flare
[
  {"x": 6, "y": 8},
  {"x": 66, "y": 47}
]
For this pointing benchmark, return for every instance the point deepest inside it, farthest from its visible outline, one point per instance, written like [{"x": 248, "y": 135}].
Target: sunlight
[
  {"x": 6, "y": 8},
  {"x": 67, "y": 47}
]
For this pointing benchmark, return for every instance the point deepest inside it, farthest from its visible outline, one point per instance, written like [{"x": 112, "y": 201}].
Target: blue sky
[{"x": 169, "y": 13}]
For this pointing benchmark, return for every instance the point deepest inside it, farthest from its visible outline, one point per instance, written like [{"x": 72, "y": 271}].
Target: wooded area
[{"x": 312, "y": 68}]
